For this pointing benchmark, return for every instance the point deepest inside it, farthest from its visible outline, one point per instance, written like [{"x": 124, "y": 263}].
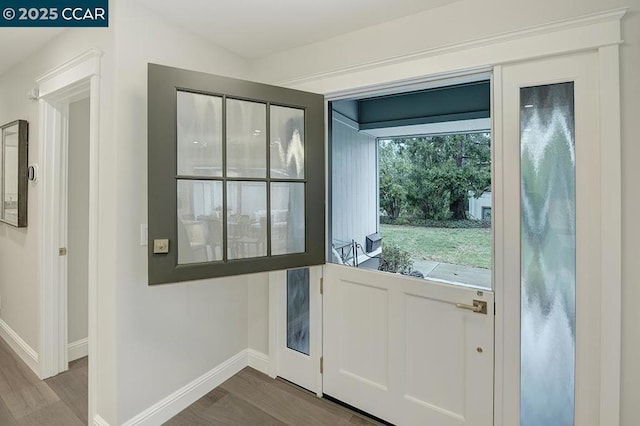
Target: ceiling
[
  {"x": 16, "y": 44},
  {"x": 257, "y": 28},
  {"x": 248, "y": 28}
]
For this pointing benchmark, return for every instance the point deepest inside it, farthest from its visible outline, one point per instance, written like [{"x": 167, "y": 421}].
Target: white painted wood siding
[{"x": 354, "y": 178}]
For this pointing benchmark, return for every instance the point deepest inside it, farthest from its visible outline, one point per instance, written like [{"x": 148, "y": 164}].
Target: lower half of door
[{"x": 409, "y": 351}]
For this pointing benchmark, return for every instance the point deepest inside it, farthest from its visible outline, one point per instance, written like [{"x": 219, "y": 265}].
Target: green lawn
[{"x": 460, "y": 246}]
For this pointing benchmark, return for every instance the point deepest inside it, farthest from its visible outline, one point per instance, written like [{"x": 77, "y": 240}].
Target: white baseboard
[
  {"x": 78, "y": 349},
  {"x": 190, "y": 393},
  {"x": 20, "y": 347},
  {"x": 99, "y": 421},
  {"x": 258, "y": 360}
]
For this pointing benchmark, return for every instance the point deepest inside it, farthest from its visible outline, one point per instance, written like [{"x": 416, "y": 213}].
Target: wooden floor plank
[
  {"x": 57, "y": 414},
  {"x": 72, "y": 387},
  {"x": 26, "y": 400},
  {"x": 14, "y": 374},
  {"x": 276, "y": 399},
  {"x": 252, "y": 398},
  {"x": 222, "y": 408},
  {"x": 340, "y": 411},
  {"x": 29, "y": 399},
  {"x": 6, "y": 418}
]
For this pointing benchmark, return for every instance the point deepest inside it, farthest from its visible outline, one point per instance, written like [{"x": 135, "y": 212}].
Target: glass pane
[
  {"x": 199, "y": 135},
  {"x": 246, "y": 219},
  {"x": 287, "y": 218},
  {"x": 298, "y": 310},
  {"x": 199, "y": 221},
  {"x": 548, "y": 255},
  {"x": 246, "y": 139},
  {"x": 287, "y": 142}
]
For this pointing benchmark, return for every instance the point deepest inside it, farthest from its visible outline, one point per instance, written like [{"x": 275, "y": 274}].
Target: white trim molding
[
  {"x": 168, "y": 407},
  {"x": 588, "y": 32},
  {"x": 258, "y": 361},
  {"x": 67, "y": 75},
  {"x": 611, "y": 235},
  {"x": 19, "y": 346},
  {"x": 78, "y": 349},
  {"x": 99, "y": 421}
]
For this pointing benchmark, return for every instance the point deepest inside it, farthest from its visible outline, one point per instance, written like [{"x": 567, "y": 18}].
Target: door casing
[{"x": 70, "y": 81}]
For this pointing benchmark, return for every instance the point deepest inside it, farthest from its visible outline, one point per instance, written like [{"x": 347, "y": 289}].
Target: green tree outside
[{"x": 432, "y": 176}]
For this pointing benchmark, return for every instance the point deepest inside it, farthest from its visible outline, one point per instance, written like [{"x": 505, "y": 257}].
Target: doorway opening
[
  {"x": 71, "y": 384},
  {"x": 77, "y": 241},
  {"x": 408, "y": 300}
]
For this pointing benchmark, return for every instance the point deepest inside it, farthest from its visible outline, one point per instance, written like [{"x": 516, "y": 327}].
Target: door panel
[
  {"x": 400, "y": 349},
  {"x": 364, "y": 330},
  {"x": 552, "y": 219},
  {"x": 299, "y": 340},
  {"x": 445, "y": 347}
]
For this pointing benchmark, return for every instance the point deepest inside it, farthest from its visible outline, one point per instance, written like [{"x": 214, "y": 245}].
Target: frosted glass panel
[
  {"x": 199, "y": 134},
  {"x": 287, "y": 142},
  {"x": 246, "y": 219},
  {"x": 548, "y": 255},
  {"x": 287, "y": 218},
  {"x": 246, "y": 139},
  {"x": 199, "y": 221},
  {"x": 298, "y": 310}
]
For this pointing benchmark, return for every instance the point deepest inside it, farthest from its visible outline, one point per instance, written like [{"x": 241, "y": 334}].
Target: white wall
[
  {"x": 258, "y": 311},
  {"x": 468, "y": 20},
  {"x": 168, "y": 335},
  {"x": 19, "y": 248},
  {"x": 78, "y": 222}
]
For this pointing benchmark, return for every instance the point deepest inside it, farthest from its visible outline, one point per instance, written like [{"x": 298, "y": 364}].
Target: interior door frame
[
  {"x": 599, "y": 32},
  {"x": 73, "y": 80}
]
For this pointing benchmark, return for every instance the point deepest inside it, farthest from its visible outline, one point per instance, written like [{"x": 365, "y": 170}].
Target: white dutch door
[{"x": 408, "y": 306}]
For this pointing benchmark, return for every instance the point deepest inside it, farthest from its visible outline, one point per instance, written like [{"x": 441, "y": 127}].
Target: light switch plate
[{"x": 161, "y": 246}]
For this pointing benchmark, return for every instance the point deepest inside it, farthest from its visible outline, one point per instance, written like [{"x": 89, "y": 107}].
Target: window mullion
[
  {"x": 225, "y": 248},
  {"x": 268, "y": 152}
]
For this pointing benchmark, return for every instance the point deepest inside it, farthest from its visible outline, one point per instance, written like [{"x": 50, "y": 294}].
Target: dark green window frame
[{"x": 163, "y": 85}]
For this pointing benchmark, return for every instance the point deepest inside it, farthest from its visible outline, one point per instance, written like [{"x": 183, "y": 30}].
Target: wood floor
[
  {"x": 248, "y": 398},
  {"x": 25, "y": 400},
  {"x": 252, "y": 398}
]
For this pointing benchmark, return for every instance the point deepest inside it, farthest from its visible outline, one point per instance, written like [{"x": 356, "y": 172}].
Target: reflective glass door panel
[{"x": 548, "y": 254}]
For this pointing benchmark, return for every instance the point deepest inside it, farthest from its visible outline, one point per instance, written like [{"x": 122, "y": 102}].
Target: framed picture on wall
[{"x": 13, "y": 173}]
